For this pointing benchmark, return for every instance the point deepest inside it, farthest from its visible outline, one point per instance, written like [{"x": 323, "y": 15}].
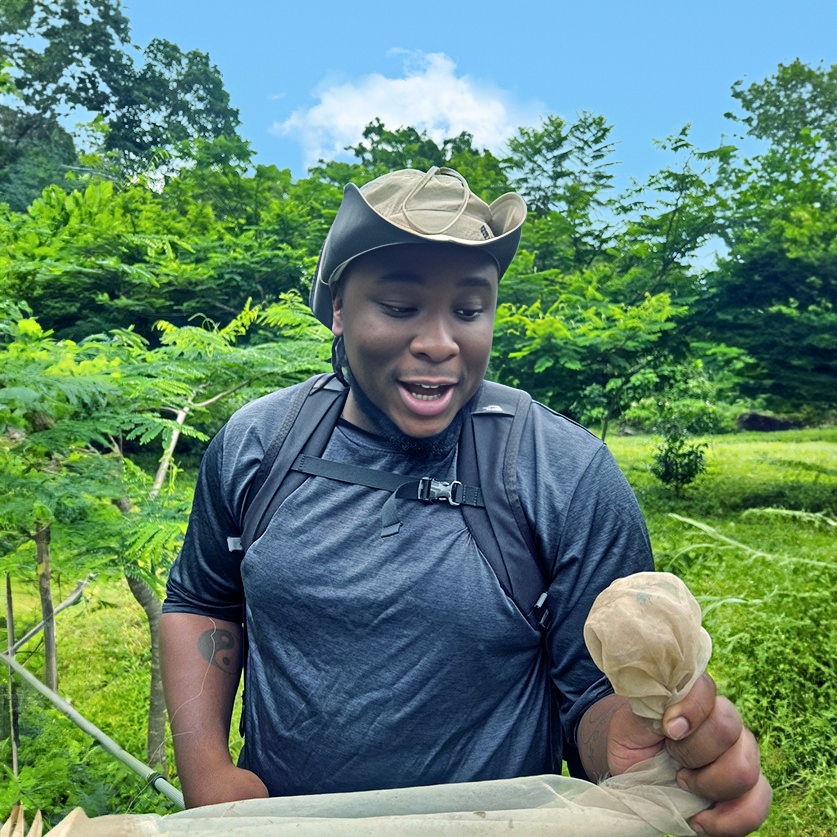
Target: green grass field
[{"x": 754, "y": 538}]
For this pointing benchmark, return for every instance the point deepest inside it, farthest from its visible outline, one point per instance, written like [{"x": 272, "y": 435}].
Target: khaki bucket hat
[{"x": 413, "y": 207}]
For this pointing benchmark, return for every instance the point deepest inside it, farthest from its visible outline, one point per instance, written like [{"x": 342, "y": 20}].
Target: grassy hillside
[{"x": 754, "y": 538}]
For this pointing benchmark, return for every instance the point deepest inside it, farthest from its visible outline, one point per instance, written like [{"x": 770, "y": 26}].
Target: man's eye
[
  {"x": 397, "y": 310},
  {"x": 468, "y": 313}
]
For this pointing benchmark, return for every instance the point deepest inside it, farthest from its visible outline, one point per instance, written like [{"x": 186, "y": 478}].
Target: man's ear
[{"x": 337, "y": 315}]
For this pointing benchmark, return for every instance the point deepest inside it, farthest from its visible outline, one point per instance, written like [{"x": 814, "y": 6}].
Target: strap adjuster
[
  {"x": 430, "y": 490},
  {"x": 541, "y": 610}
]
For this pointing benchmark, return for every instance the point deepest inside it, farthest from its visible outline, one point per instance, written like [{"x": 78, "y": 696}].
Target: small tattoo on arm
[{"x": 218, "y": 647}]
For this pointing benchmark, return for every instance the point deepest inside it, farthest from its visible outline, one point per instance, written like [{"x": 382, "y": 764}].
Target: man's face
[{"x": 417, "y": 322}]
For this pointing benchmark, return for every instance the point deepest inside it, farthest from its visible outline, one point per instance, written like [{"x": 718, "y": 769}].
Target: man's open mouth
[{"x": 426, "y": 392}]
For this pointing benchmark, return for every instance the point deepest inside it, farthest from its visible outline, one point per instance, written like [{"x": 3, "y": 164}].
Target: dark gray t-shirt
[{"x": 386, "y": 662}]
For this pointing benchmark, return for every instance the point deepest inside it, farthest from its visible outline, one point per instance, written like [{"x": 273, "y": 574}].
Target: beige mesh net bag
[{"x": 644, "y": 632}]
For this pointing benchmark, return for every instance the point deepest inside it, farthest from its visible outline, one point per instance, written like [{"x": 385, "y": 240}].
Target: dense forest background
[{"x": 153, "y": 277}]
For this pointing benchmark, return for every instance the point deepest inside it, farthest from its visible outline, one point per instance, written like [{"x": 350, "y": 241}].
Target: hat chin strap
[{"x": 430, "y": 173}]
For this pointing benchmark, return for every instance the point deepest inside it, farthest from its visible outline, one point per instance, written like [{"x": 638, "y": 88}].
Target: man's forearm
[{"x": 201, "y": 667}]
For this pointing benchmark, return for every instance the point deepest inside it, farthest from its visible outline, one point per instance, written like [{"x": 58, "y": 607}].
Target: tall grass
[
  {"x": 755, "y": 540},
  {"x": 103, "y": 659}
]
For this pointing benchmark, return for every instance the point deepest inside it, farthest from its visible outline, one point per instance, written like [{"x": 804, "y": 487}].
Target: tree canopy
[
  {"x": 607, "y": 297},
  {"x": 75, "y": 57},
  {"x": 774, "y": 294}
]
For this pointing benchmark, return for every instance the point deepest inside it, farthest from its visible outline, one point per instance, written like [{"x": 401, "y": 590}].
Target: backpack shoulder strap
[
  {"x": 308, "y": 424},
  {"x": 488, "y": 455}
]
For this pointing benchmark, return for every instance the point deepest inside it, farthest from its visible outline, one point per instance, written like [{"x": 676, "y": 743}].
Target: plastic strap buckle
[
  {"x": 542, "y": 612},
  {"x": 430, "y": 490}
]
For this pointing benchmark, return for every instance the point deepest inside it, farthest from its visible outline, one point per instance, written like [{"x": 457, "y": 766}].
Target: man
[{"x": 393, "y": 661}]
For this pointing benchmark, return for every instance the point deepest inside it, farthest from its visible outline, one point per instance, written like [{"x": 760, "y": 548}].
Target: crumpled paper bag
[{"x": 644, "y": 633}]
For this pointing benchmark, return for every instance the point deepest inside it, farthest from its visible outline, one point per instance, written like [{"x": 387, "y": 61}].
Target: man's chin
[{"x": 422, "y": 428}]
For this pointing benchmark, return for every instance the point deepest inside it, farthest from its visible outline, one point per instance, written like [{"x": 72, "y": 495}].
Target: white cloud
[{"x": 429, "y": 97}]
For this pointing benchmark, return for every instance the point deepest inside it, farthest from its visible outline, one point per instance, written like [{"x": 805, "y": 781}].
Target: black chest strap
[{"x": 425, "y": 489}]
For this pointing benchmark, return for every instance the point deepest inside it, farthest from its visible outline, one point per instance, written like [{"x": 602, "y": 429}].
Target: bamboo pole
[
  {"x": 109, "y": 745},
  {"x": 10, "y": 644}
]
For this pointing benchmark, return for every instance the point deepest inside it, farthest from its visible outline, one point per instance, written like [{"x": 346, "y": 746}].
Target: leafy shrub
[
  {"x": 696, "y": 398},
  {"x": 677, "y": 462},
  {"x": 695, "y": 415},
  {"x": 61, "y": 768},
  {"x": 103, "y": 670}
]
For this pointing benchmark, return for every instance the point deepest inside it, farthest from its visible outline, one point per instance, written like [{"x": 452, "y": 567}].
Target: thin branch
[
  {"x": 168, "y": 455},
  {"x": 108, "y": 744},
  {"x": 221, "y": 395}
]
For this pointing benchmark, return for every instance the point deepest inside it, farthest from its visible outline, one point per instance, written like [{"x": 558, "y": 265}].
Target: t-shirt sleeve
[
  {"x": 205, "y": 578},
  {"x": 590, "y": 531}
]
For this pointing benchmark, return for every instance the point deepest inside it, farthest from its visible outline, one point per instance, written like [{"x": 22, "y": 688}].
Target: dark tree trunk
[
  {"x": 11, "y": 693},
  {"x": 605, "y": 427},
  {"x": 156, "y": 740},
  {"x": 42, "y": 539},
  {"x": 145, "y": 595}
]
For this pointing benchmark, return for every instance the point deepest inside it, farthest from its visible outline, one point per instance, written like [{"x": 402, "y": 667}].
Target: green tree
[
  {"x": 587, "y": 353},
  {"x": 186, "y": 387},
  {"x": 384, "y": 150},
  {"x": 73, "y": 57},
  {"x": 65, "y": 54},
  {"x": 798, "y": 99},
  {"x": 35, "y": 151},
  {"x": 669, "y": 217},
  {"x": 67, "y": 411},
  {"x": 173, "y": 97},
  {"x": 603, "y": 329},
  {"x": 89, "y": 260},
  {"x": 775, "y": 294},
  {"x": 252, "y": 231},
  {"x": 104, "y": 256},
  {"x": 54, "y": 427},
  {"x": 563, "y": 170}
]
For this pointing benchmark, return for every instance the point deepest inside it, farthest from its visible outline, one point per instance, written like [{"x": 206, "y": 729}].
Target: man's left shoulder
[
  {"x": 553, "y": 434},
  {"x": 502, "y": 399},
  {"x": 545, "y": 441}
]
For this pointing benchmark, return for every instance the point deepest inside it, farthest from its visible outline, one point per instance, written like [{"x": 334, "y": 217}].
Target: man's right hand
[{"x": 225, "y": 785}]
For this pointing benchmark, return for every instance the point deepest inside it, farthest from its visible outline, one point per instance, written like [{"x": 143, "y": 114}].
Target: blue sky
[{"x": 306, "y": 76}]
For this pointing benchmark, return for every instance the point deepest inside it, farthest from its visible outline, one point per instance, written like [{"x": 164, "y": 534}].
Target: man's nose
[{"x": 435, "y": 340}]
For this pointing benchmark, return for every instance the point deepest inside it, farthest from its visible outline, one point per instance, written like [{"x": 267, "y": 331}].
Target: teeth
[{"x": 434, "y": 391}]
